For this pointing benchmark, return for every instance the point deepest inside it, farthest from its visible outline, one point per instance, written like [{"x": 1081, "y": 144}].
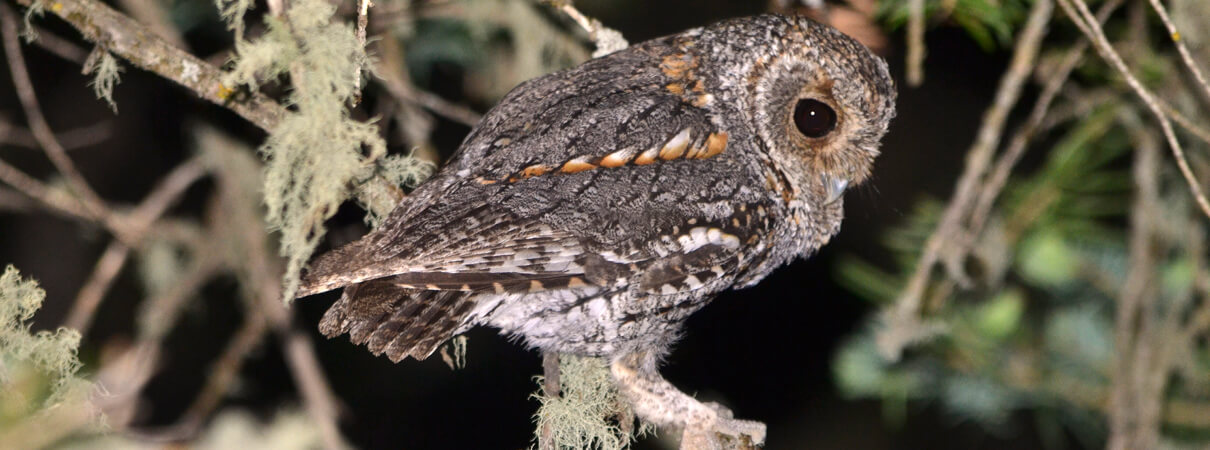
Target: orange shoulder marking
[{"x": 576, "y": 166}]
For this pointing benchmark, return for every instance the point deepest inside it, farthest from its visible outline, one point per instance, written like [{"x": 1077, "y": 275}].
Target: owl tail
[{"x": 397, "y": 321}]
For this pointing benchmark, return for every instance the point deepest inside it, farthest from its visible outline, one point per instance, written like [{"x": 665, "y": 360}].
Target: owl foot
[{"x": 705, "y": 426}]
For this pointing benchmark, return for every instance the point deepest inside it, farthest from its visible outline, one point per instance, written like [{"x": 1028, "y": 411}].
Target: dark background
[{"x": 765, "y": 352}]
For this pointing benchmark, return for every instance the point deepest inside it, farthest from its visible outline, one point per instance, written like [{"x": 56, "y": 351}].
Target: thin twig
[
  {"x": 135, "y": 226},
  {"x": 169, "y": 189},
  {"x": 153, "y": 15},
  {"x": 1188, "y": 124},
  {"x": 915, "y": 43},
  {"x": 363, "y": 21},
  {"x": 1129, "y": 426},
  {"x": 224, "y": 370},
  {"x": 90, "y": 295},
  {"x": 430, "y": 101},
  {"x": 37, "y": 122},
  {"x": 994, "y": 184},
  {"x": 550, "y": 389},
  {"x": 125, "y": 37},
  {"x": 1078, "y": 11},
  {"x": 904, "y": 314},
  {"x": 36, "y": 190},
  {"x": 607, "y": 40},
  {"x": 11, "y": 200},
  {"x": 60, "y": 47},
  {"x": 317, "y": 396},
  {"x": 261, "y": 270},
  {"x": 1181, "y": 48},
  {"x": 72, "y": 139}
]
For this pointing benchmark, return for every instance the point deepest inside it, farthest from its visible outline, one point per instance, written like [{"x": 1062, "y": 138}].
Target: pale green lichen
[
  {"x": 316, "y": 154},
  {"x": 232, "y": 428},
  {"x": 397, "y": 170},
  {"x": 36, "y": 8},
  {"x": 41, "y": 397},
  {"x": 232, "y": 12},
  {"x": 161, "y": 265},
  {"x": 106, "y": 73},
  {"x": 589, "y": 413},
  {"x": 53, "y": 353}
]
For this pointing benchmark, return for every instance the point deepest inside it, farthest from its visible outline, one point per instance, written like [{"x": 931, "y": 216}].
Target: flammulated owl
[{"x": 595, "y": 208}]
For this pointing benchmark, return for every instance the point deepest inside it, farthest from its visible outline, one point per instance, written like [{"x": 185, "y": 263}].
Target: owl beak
[{"x": 835, "y": 187}]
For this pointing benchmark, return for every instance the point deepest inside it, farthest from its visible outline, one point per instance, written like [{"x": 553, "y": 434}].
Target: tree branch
[{"x": 123, "y": 36}]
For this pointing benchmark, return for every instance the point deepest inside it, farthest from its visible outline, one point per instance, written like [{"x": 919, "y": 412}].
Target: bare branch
[
  {"x": 1129, "y": 426},
  {"x": 1078, "y": 11},
  {"x": 102, "y": 277},
  {"x": 11, "y": 200},
  {"x": 915, "y": 43},
  {"x": 34, "y": 189},
  {"x": 224, "y": 370},
  {"x": 37, "y": 122},
  {"x": 72, "y": 139},
  {"x": 126, "y": 38},
  {"x": 607, "y": 40},
  {"x": 550, "y": 389},
  {"x": 1181, "y": 48},
  {"x": 60, "y": 47},
  {"x": 135, "y": 226},
  {"x": 994, "y": 184},
  {"x": 150, "y": 12},
  {"x": 904, "y": 314},
  {"x": 430, "y": 101}
]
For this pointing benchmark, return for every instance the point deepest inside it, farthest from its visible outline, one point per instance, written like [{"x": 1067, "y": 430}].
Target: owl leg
[{"x": 657, "y": 401}]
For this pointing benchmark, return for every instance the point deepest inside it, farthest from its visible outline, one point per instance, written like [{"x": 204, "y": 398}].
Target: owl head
[{"x": 818, "y": 100}]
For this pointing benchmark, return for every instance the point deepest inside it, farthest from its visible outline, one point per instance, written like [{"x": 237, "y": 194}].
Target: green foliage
[
  {"x": 440, "y": 41},
  {"x": 501, "y": 43},
  {"x": 589, "y": 413},
  {"x": 1036, "y": 330},
  {"x": 989, "y": 22}
]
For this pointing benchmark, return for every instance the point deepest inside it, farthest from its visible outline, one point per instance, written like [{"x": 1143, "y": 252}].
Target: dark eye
[{"x": 815, "y": 119}]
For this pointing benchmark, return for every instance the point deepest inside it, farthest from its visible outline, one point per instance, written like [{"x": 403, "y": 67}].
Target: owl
[{"x": 594, "y": 209}]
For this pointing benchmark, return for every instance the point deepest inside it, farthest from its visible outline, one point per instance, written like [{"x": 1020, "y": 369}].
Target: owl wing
[{"x": 590, "y": 177}]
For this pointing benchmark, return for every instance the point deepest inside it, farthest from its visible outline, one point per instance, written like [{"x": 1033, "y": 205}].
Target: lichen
[
  {"x": 397, "y": 170},
  {"x": 36, "y": 9},
  {"x": 39, "y": 386},
  {"x": 232, "y": 13},
  {"x": 317, "y": 153},
  {"x": 589, "y": 413},
  {"x": 106, "y": 74}
]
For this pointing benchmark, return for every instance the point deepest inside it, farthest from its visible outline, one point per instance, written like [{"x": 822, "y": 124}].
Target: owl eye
[{"x": 814, "y": 119}]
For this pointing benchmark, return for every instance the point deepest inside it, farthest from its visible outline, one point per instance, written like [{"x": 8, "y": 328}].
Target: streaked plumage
[{"x": 594, "y": 209}]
